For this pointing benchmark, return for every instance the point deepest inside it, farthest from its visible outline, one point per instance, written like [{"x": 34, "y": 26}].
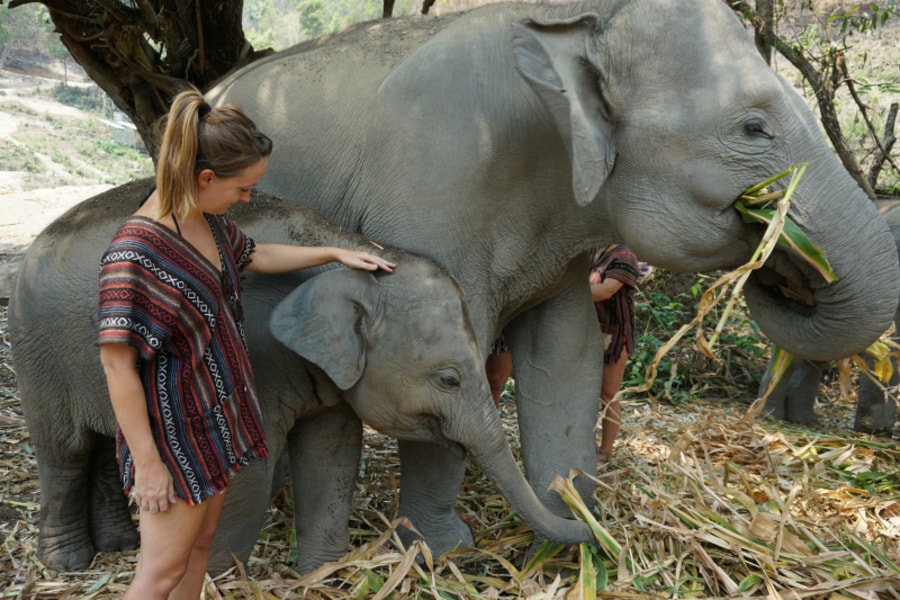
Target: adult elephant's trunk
[
  {"x": 795, "y": 308},
  {"x": 480, "y": 431}
]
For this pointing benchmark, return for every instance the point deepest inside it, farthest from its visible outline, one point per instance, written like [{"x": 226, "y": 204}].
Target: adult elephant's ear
[
  {"x": 322, "y": 321},
  {"x": 551, "y": 56}
]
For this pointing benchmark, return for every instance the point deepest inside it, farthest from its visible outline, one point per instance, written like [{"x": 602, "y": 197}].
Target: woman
[
  {"x": 613, "y": 277},
  {"x": 172, "y": 344}
]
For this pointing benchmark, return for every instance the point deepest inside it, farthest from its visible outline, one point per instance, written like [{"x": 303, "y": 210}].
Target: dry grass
[{"x": 703, "y": 501}]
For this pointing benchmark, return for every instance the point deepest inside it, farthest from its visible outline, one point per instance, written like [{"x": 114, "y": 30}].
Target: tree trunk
[
  {"x": 763, "y": 21},
  {"x": 765, "y": 29},
  {"x": 143, "y": 52}
]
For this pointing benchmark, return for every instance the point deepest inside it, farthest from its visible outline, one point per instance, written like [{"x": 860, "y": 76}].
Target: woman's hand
[
  {"x": 282, "y": 258},
  {"x": 364, "y": 260},
  {"x": 153, "y": 489}
]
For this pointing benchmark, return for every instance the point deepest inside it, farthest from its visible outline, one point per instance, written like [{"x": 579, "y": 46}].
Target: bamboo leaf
[
  {"x": 778, "y": 366},
  {"x": 764, "y": 184},
  {"x": 587, "y": 579},
  {"x": 749, "y": 583},
  {"x": 546, "y": 551},
  {"x": 566, "y": 489},
  {"x": 762, "y": 199},
  {"x": 791, "y": 237}
]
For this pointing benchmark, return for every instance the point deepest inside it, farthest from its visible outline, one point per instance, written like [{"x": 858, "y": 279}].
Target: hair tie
[{"x": 204, "y": 110}]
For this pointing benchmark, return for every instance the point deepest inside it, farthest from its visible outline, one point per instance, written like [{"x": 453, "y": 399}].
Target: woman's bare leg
[
  {"x": 498, "y": 368},
  {"x": 612, "y": 410},
  {"x": 192, "y": 581},
  {"x": 174, "y": 543}
]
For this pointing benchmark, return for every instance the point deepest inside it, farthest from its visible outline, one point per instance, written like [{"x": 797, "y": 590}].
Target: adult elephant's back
[
  {"x": 317, "y": 101},
  {"x": 421, "y": 133}
]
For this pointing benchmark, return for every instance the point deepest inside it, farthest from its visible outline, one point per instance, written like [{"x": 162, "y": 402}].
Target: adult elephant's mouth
[
  {"x": 787, "y": 279},
  {"x": 797, "y": 295}
]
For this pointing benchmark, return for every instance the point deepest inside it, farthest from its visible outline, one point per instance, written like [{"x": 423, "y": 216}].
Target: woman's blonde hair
[{"x": 197, "y": 137}]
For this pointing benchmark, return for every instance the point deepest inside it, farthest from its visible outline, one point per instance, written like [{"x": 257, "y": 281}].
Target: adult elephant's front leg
[
  {"x": 876, "y": 409},
  {"x": 794, "y": 397},
  {"x": 557, "y": 365}
]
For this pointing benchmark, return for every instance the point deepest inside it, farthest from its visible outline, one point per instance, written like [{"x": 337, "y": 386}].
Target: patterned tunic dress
[
  {"x": 160, "y": 295},
  {"x": 616, "y": 314}
]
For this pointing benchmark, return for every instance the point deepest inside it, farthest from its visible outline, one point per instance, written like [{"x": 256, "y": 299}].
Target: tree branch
[
  {"x": 889, "y": 140},
  {"x": 825, "y": 98},
  {"x": 851, "y": 85}
]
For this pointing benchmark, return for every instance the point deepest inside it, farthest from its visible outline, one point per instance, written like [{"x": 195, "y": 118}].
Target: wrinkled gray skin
[
  {"x": 504, "y": 142},
  {"x": 367, "y": 340},
  {"x": 793, "y": 399}
]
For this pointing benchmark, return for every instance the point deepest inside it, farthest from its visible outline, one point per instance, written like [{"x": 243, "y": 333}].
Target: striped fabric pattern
[
  {"x": 160, "y": 295},
  {"x": 616, "y": 315}
]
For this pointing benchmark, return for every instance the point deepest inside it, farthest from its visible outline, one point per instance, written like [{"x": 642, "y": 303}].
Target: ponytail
[{"x": 197, "y": 137}]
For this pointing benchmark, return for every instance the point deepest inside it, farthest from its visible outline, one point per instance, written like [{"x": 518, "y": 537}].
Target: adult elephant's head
[{"x": 669, "y": 113}]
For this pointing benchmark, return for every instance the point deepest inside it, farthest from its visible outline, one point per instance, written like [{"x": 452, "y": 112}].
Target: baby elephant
[
  {"x": 395, "y": 350},
  {"x": 793, "y": 399}
]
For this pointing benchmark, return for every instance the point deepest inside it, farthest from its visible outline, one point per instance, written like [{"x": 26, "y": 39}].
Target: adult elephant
[
  {"x": 396, "y": 350},
  {"x": 504, "y": 142},
  {"x": 794, "y": 398}
]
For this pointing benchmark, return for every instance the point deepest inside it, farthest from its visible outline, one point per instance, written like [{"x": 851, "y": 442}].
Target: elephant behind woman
[
  {"x": 505, "y": 141},
  {"x": 329, "y": 349}
]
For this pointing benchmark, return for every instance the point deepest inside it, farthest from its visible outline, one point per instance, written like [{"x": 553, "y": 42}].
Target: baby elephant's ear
[{"x": 322, "y": 321}]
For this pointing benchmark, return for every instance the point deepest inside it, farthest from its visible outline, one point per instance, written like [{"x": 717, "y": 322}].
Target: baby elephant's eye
[{"x": 448, "y": 379}]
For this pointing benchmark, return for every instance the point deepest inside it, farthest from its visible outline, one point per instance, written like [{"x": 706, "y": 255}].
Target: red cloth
[{"x": 616, "y": 314}]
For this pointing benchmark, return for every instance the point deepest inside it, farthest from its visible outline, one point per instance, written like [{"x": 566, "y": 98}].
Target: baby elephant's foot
[{"x": 441, "y": 535}]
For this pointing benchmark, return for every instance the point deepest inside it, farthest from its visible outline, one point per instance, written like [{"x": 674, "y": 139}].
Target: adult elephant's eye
[{"x": 757, "y": 128}]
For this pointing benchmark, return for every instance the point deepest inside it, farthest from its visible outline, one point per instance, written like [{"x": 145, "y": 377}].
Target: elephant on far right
[{"x": 793, "y": 399}]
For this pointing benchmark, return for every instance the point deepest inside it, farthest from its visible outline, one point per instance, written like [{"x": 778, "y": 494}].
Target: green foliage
[
  {"x": 864, "y": 18},
  {"x": 280, "y": 24},
  {"x": 313, "y": 19},
  {"x": 27, "y": 27},
  {"x": 659, "y": 315},
  {"x": 842, "y": 48},
  {"x": 12, "y": 158},
  {"x": 663, "y": 304},
  {"x": 90, "y": 98},
  {"x": 61, "y": 150},
  {"x": 876, "y": 482}
]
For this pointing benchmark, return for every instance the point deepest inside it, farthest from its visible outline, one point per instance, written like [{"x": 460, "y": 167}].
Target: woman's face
[{"x": 218, "y": 194}]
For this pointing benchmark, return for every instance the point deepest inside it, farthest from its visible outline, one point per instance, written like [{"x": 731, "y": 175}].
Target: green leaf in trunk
[{"x": 791, "y": 237}]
